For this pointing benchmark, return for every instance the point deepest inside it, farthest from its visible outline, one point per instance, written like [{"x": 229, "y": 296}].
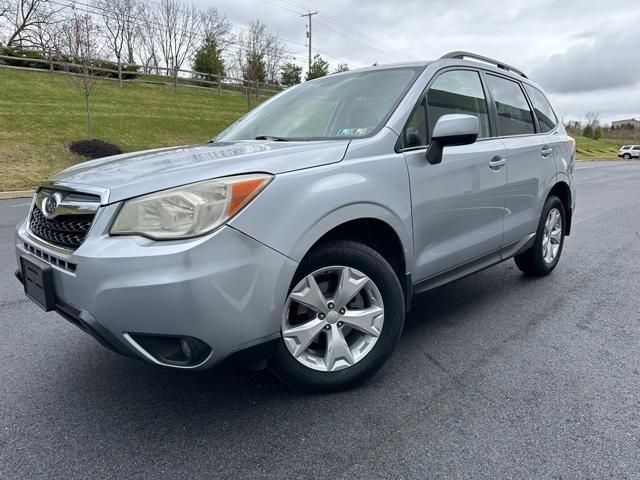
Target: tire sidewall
[{"x": 372, "y": 264}]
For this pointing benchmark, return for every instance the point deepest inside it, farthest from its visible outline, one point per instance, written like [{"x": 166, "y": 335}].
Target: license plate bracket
[{"x": 38, "y": 282}]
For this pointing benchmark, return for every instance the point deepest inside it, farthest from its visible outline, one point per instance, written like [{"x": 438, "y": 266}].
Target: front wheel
[
  {"x": 626, "y": 156},
  {"x": 543, "y": 256},
  {"x": 342, "y": 318}
]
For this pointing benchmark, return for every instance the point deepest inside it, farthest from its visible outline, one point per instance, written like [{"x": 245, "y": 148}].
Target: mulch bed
[{"x": 94, "y": 148}]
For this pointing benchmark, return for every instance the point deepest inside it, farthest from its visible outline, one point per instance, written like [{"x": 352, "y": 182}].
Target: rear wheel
[
  {"x": 543, "y": 256},
  {"x": 342, "y": 318}
]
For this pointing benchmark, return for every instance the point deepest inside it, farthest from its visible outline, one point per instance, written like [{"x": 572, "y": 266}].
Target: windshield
[{"x": 342, "y": 106}]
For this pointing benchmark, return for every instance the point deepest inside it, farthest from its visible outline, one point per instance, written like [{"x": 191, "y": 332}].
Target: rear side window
[
  {"x": 547, "y": 119},
  {"x": 514, "y": 115},
  {"x": 458, "y": 91},
  {"x": 635, "y": 148}
]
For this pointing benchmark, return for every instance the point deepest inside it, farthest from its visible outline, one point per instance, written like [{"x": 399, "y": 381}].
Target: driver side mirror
[{"x": 452, "y": 130}]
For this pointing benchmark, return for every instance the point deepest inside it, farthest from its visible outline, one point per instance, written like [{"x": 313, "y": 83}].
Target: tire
[
  {"x": 317, "y": 371},
  {"x": 533, "y": 261},
  {"x": 626, "y": 156}
]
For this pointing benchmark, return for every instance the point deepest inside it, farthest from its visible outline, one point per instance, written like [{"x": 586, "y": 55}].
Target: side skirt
[{"x": 475, "y": 265}]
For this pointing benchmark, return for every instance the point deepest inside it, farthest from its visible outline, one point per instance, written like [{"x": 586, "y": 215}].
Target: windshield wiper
[{"x": 271, "y": 137}]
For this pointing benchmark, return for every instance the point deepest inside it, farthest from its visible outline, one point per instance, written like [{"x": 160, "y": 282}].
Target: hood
[{"x": 132, "y": 174}]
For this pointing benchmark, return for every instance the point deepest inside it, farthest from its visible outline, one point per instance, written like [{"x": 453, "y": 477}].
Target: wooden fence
[{"x": 162, "y": 76}]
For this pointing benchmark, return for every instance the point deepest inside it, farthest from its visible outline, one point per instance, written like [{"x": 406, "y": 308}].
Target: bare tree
[
  {"x": 81, "y": 41},
  {"x": 116, "y": 17},
  {"x": 216, "y": 27},
  {"x": 148, "y": 40},
  {"x": 251, "y": 57},
  {"x": 276, "y": 54},
  {"x": 26, "y": 17},
  {"x": 180, "y": 33}
]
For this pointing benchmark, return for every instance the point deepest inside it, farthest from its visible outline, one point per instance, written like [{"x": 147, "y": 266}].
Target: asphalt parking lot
[{"x": 496, "y": 376}]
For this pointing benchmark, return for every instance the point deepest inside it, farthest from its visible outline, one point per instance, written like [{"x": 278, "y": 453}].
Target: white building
[{"x": 625, "y": 123}]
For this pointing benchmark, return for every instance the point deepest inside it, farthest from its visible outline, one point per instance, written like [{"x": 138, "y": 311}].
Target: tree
[
  {"x": 81, "y": 42},
  {"x": 208, "y": 59},
  {"x": 591, "y": 125},
  {"x": 319, "y": 68},
  {"x": 342, "y": 67},
  {"x": 587, "y": 131},
  {"x": 217, "y": 28},
  {"x": 597, "y": 133},
  {"x": 149, "y": 46},
  {"x": 275, "y": 54},
  {"x": 115, "y": 15},
  {"x": 251, "y": 53},
  {"x": 291, "y": 74},
  {"x": 179, "y": 33},
  {"x": 25, "y": 17}
]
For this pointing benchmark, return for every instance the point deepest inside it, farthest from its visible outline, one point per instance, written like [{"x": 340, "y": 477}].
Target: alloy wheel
[
  {"x": 552, "y": 236},
  {"x": 332, "y": 318}
]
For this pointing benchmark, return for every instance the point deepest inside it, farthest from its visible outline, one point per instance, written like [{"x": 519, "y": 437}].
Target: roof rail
[{"x": 462, "y": 55}]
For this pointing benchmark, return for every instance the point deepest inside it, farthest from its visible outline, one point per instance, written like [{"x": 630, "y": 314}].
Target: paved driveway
[{"x": 496, "y": 376}]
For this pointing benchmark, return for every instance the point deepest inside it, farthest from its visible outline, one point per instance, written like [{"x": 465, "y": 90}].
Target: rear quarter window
[{"x": 547, "y": 119}]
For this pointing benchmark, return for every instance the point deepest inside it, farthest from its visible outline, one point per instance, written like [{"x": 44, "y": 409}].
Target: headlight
[{"x": 190, "y": 210}]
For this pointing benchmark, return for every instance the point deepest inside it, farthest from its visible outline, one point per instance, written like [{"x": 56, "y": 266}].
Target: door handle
[
  {"x": 497, "y": 163},
  {"x": 546, "y": 151}
]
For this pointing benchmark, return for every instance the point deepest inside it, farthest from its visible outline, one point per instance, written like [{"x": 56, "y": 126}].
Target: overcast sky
[{"x": 584, "y": 53}]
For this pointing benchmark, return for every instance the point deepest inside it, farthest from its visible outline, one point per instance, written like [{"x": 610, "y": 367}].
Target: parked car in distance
[
  {"x": 629, "y": 151},
  {"x": 301, "y": 233}
]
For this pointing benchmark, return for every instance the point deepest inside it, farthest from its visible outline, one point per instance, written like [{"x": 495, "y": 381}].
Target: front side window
[
  {"x": 547, "y": 119},
  {"x": 458, "y": 91},
  {"x": 348, "y": 105},
  {"x": 514, "y": 114}
]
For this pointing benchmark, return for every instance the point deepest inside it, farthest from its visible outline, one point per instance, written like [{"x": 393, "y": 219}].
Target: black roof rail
[{"x": 462, "y": 55}]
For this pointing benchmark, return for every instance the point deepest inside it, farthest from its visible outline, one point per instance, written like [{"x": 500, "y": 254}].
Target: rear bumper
[{"x": 226, "y": 290}]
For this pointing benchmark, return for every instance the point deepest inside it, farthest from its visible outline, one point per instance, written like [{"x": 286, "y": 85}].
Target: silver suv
[
  {"x": 629, "y": 151},
  {"x": 302, "y": 232}
]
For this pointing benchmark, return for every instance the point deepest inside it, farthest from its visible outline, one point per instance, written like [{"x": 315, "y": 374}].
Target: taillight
[{"x": 572, "y": 142}]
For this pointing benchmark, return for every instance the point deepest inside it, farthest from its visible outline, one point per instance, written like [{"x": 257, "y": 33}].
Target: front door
[{"x": 459, "y": 204}]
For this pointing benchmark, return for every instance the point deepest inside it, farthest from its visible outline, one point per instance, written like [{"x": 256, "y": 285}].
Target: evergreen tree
[
  {"x": 291, "y": 74},
  {"x": 319, "y": 68},
  {"x": 208, "y": 58}
]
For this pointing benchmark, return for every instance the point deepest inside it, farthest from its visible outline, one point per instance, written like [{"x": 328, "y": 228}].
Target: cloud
[{"x": 608, "y": 61}]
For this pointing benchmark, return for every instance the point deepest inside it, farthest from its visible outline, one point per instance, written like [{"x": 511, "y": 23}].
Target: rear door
[
  {"x": 459, "y": 204},
  {"x": 530, "y": 165}
]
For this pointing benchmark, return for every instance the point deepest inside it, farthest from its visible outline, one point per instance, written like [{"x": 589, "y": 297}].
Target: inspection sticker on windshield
[{"x": 347, "y": 132}]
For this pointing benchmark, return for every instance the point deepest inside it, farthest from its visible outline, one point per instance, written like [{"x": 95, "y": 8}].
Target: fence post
[
  {"x": 176, "y": 80},
  {"x": 219, "y": 85},
  {"x": 53, "y": 75}
]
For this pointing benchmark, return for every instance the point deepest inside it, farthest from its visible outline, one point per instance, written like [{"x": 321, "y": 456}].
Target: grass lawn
[
  {"x": 40, "y": 117},
  {"x": 603, "y": 149}
]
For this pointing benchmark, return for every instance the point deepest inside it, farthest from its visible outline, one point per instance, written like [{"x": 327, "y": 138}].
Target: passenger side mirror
[{"x": 452, "y": 130}]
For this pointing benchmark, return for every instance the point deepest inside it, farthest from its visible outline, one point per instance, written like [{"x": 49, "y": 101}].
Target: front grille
[{"x": 67, "y": 231}]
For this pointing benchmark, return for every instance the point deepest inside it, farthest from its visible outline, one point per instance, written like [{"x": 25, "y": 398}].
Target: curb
[{"x": 16, "y": 194}]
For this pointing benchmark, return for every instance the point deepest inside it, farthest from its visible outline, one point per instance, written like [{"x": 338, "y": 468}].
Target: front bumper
[{"x": 225, "y": 289}]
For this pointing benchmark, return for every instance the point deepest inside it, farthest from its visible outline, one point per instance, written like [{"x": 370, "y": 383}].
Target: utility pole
[{"x": 309, "y": 15}]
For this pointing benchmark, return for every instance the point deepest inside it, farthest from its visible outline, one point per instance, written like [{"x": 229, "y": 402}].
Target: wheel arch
[
  {"x": 380, "y": 232},
  {"x": 562, "y": 190}
]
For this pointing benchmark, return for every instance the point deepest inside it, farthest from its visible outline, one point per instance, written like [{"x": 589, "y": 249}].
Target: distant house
[{"x": 629, "y": 123}]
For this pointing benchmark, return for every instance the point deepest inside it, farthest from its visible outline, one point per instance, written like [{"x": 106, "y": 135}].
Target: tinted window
[
  {"x": 514, "y": 114},
  {"x": 546, "y": 117},
  {"x": 635, "y": 148},
  {"x": 458, "y": 91}
]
